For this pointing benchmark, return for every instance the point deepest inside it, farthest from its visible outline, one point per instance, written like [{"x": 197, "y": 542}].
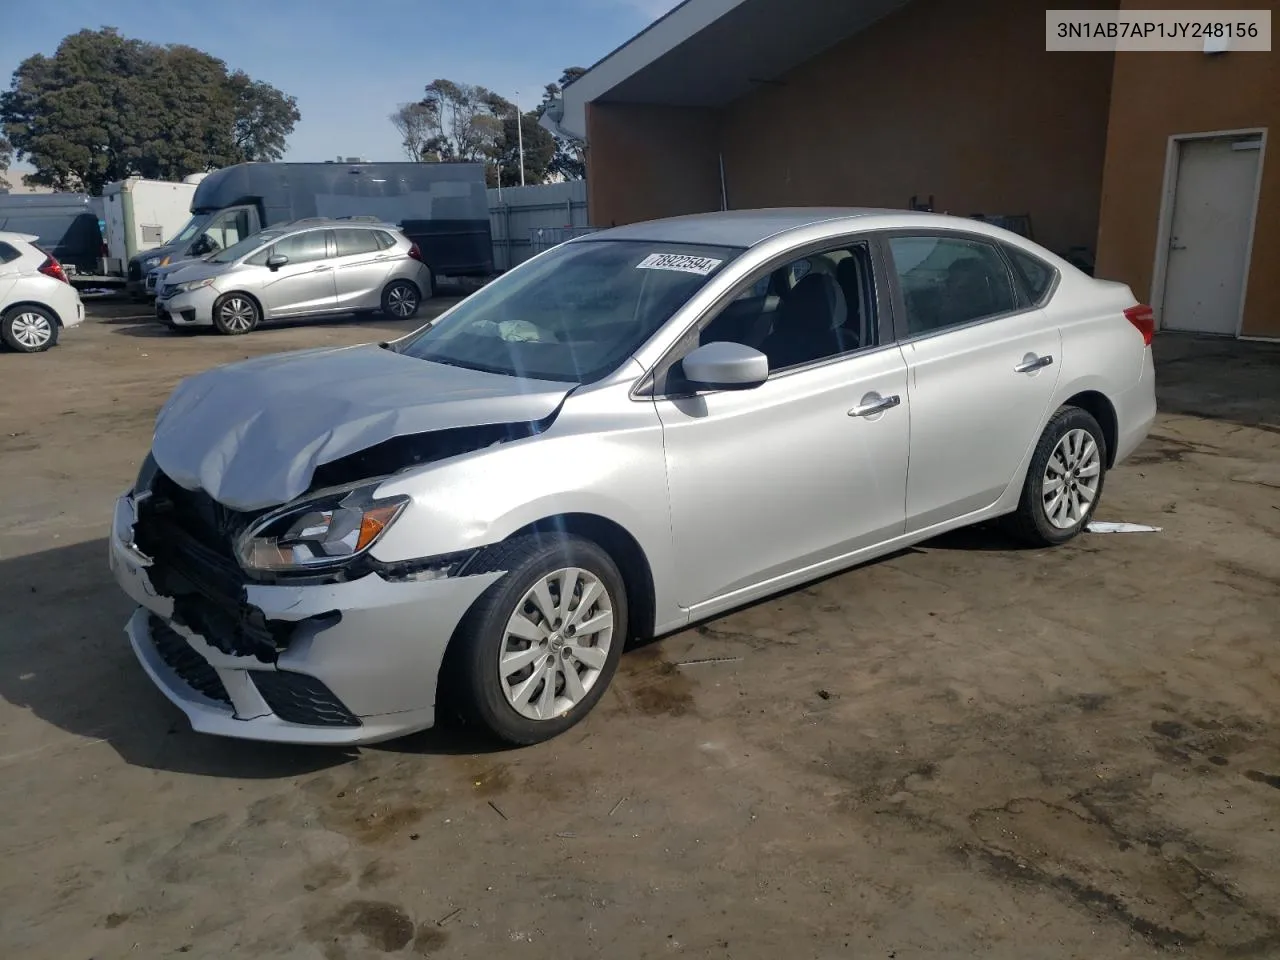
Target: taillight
[
  {"x": 1144, "y": 318},
  {"x": 416, "y": 253},
  {"x": 52, "y": 268}
]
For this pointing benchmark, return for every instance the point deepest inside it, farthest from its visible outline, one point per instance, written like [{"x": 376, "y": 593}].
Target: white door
[
  {"x": 303, "y": 285},
  {"x": 807, "y": 467},
  {"x": 981, "y": 370},
  {"x": 359, "y": 269},
  {"x": 1209, "y": 238}
]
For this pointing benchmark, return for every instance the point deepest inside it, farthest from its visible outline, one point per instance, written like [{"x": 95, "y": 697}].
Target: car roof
[
  {"x": 10, "y": 237},
  {"x": 746, "y": 228},
  {"x": 328, "y": 223}
]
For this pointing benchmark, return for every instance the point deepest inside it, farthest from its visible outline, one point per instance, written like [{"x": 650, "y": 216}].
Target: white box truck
[{"x": 141, "y": 215}]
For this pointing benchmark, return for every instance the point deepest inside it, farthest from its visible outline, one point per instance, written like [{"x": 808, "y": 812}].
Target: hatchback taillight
[
  {"x": 416, "y": 253},
  {"x": 52, "y": 268},
  {"x": 1144, "y": 318}
]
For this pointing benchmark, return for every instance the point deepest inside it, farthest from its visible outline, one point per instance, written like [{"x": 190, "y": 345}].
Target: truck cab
[{"x": 204, "y": 234}]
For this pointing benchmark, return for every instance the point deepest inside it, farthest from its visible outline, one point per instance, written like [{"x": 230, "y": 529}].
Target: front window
[
  {"x": 573, "y": 315},
  {"x": 245, "y": 246},
  {"x": 191, "y": 229}
]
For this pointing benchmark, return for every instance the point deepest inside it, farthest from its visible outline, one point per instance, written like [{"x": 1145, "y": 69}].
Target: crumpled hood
[{"x": 251, "y": 434}]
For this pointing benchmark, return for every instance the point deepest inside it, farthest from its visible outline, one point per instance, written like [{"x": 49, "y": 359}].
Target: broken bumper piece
[{"x": 354, "y": 662}]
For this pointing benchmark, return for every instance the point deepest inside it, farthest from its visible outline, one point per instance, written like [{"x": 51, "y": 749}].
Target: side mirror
[
  {"x": 725, "y": 366},
  {"x": 276, "y": 261}
]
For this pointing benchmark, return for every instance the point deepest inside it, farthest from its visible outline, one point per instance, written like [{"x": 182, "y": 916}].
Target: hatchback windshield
[
  {"x": 245, "y": 246},
  {"x": 572, "y": 315}
]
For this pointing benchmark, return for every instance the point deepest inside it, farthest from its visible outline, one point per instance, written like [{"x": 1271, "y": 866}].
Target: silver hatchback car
[
  {"x": 301, "y": 269},
  {"x": 630, "y": 432}
]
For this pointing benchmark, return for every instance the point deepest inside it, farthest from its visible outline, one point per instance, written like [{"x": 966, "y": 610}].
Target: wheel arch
[
  {"x": 57, "y": 317},
  {"x": 626, "y": 552},
  {"x": 257, "y": 301},
  {"x": 1103, "y": 410}
]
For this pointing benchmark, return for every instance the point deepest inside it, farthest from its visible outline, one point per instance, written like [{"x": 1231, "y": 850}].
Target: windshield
[
  {"x": 245, "y": 246},
  {"x": 574, "y": 314},
  {"x": 192, "y": 227}
]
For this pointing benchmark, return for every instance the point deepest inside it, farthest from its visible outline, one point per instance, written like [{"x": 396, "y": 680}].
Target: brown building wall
[
  {"x": 646, "y": 162},
  {"x": 957, "y": 100},
  {"x": 1157, "y": 95}
]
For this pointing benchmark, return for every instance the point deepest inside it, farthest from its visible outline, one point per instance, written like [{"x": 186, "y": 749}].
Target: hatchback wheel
[
  {"x": 235, "y": 313},
  {"x": 1064, "y": 480},
  {"x": 537, "y": 651},
  {"x": 400, "y": 299},
  {"x": 28, "y": 329}
]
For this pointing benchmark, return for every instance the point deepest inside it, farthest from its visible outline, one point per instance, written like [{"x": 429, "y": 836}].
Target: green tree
[
  {"x": 417, "y": 124},
  {"x": 6, "y": 157},
  {"x": 105, "y": 107},
  {"x": 467, "y": 120},
  {"x": 539, "y": 149},
  {"x": 264, "y": 118},
  {"x": 569, "y": 160}
]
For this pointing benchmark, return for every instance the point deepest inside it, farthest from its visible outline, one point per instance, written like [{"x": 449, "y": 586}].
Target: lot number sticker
[{"x": 681, "y": 263}]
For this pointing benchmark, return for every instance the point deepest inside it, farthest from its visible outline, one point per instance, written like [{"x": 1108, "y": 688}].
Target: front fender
[{"x": 483, "y": 497}]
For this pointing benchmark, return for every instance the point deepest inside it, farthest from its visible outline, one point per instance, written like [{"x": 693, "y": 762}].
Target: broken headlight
[{"x": 324, "y": 532}]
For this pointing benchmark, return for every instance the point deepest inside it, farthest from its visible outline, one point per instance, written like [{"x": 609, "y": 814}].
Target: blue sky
[{"x": 351, "y": 63}]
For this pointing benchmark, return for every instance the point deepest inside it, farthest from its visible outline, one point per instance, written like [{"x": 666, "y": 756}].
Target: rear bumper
[
  {"x": 1136, "y": 411},
  {"x": 361, "y": 663}
]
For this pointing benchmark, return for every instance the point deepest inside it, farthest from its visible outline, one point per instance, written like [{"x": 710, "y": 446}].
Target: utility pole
[{"x": 520, "y": 136}]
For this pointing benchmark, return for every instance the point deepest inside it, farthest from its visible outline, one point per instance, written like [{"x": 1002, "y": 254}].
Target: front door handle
[
  {"x": 321, "y": 267},
  {"x": 1030, "y": 363},
  {"x": 873, "y": 403}
]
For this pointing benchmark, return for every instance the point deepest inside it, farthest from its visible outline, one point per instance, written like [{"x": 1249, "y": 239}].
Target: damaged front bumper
[{"x": 334, "y": 663}]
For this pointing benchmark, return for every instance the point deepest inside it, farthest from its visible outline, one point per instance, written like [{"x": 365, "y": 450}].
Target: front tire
[
  {"x": 1064, "y": 480},
  {"x": 28, "y": 329},
  {"x": 401, "y": 299},
  {"x": 235, "y": 314},
  {"x": 538, "y": 649}
]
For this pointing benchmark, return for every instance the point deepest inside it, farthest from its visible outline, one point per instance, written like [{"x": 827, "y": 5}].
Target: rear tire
[
  {"x": 537, "y": 699},
  {"x": 235, "y": 314},
  {"x": 1064, "y": 480},
  {"x": 401, "y": 299},
  {"x": 28, "y": 329}
]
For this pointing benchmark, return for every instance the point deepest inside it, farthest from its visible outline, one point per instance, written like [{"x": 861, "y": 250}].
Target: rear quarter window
[{"x": 1034, "y": 274}]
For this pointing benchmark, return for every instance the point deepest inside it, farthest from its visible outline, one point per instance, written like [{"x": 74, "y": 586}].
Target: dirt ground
[{"x": 966, "y": 750}]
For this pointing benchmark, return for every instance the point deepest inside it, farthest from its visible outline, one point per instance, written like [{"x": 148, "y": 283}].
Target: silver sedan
[{"x": 629, "y": 433}]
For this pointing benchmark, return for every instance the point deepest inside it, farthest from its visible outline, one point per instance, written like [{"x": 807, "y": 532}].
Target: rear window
[
  {"x": 8, "y": 253},
  {"x": 1034, "y": 274}
]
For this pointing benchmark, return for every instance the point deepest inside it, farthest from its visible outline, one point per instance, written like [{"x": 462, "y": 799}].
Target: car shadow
[{"x": 67, "y": 661}]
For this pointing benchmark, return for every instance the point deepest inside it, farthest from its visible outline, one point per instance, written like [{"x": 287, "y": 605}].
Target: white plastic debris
[{"x": 1106, "y": 526}]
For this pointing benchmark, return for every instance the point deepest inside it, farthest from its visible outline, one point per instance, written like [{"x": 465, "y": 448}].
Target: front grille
[
  {"x": 168, "y": 290},
  {"x": 189, "y": 536},
  {"x": 191, "y": 667},
  {"x": 298, "y": 698}
]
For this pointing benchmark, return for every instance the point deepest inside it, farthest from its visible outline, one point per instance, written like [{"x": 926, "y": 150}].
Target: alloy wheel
[
  {"x": 1071, "y": 478},
  {"x": 32, "y": 330},
  {"x": 237, "y": 315},
  {"x": 556, "y": 643},
  {"x": 402, "y": 301}
]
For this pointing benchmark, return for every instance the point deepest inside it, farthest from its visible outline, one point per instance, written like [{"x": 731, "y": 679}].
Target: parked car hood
[
  {"x": 185, "y": 270},
  {"x": 251, "y": 434}
]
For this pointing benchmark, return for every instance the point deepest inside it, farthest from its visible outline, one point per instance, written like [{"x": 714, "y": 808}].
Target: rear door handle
[
  {"x": 1033, "y": 363},
  {"x": 321, "y": 267},
  {"x": 873, "y": 403}
]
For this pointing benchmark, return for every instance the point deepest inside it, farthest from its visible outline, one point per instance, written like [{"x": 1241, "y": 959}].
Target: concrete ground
[{"x": 966, "y": 750}]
